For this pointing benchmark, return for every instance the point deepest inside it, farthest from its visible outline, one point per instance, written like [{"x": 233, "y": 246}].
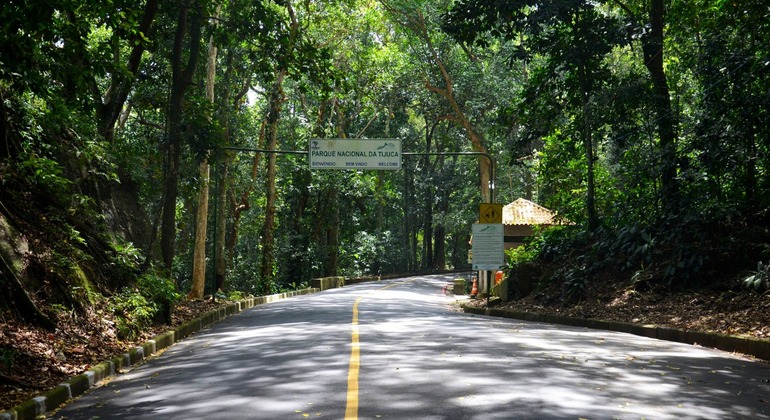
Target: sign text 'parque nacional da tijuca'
[{"x": 371, "y": 154}]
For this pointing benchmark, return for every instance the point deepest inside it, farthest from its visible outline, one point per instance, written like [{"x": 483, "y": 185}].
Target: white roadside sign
[
  {"x": 488, "y": 247},
  {"x": 371, "y": 154}
]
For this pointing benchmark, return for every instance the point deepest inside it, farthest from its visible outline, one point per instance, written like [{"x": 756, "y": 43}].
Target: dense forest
[{"x": 137, "y": 161}]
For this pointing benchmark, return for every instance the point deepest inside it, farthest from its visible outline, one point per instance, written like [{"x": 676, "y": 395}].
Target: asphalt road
[{"x": 400, "y": 349}]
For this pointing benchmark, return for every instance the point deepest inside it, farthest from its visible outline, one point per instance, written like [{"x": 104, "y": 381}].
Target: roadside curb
[
  {"x": 76, "y": 386},
  {"x": 759, "y": 348},
  {"x": 336, "y": 282}
]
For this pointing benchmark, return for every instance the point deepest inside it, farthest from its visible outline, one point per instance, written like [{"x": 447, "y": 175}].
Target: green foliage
[
  {"x": 125, "y": 260},
  {"x": 58, "y": 309},
  {"x": 521, "y": 254},
  {"x": 568, "y": 249},
  {"x": 158, "y": 289},
  {"x": 266, "y": 287},
  {"x": 534, "y": 245},
  {"x": 133, "y": 313},
  {"x": 136, "y": 308},
  {"x": 243, "y": 276},
  {"x": 575, "y": 286},
  {"x": 297, "y": 286},
  {"x": 535, "y": 79},
  {"x": 561, "y": 241},
  {"x": 633, "y": 244},
  {"x": 126, "y": 254},
  {"x": 236, "y": 295},
  {"x": 760, "y": 280},
  {"x": 366, "y": 252},
  {"x": 678, "y": 253},
  {"x": 45, "y": 173}
]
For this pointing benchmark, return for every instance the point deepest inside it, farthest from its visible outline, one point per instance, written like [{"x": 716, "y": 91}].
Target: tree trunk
[
  {"x": 222, "y": 192},
  {"x": 409, "y": 246},
  {"x": 24, "y": 305},
  {"x": 750, "y": 120},
  {"x": 458, "y": 260},
  {"x": 427, "y": 236},
  {"x": 427, "y": 228},
  {"x": 111, "y": 106},
  {"x": 277, "y": 98},
  {"x": 236, "y": 208},
  {"x": 181, "y": 80},
  {"x": 439, "y": 248},
  {"x": 120, "y": 199},
  {"x": 460, "y": 118},
  {"x": 202, "y": 216},
  {"x": 416, "y": 22},
  {"x": 168, "y": 216},
  {"x": 199, "y": 250},
  {"x": 11, "y": 143},
  {"x": 653, "y": 60},
  {"x": 439, "y": 235},
  {"x": 439, "y": 230},
  {"x": 333, "y": 234},
  {"x": 588, "y": 145},
  {"x": 268, "y": 230},
  {"x": 220, "y": 242}
]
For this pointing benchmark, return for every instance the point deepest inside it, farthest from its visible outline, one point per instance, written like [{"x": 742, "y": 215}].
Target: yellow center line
[{"x": 351, "y": 408}]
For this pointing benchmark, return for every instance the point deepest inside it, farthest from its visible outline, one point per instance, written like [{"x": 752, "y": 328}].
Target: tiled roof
[{"x": 525, "y": 212}]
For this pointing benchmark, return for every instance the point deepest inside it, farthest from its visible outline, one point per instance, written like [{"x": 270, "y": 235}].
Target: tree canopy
[{"x": 644, "y": 122}]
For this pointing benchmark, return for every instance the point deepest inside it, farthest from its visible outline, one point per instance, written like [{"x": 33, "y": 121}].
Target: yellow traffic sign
[{"x": 491, "y": 213}]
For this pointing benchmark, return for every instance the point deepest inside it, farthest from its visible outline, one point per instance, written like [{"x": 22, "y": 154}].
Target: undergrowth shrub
[
  {"x": 150, "y": 300},
  {"x": 569, "y": 251},
  {"x": 760, "y": 280},
  {"x": 236, "y": 295},
  {"x": 522, "y": 254},
  {"x": 686, "y": 251},
  {"x": 133, "y": 313}
]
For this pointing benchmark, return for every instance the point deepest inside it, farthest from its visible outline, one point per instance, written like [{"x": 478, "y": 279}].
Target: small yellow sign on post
[{"x": 491, "y": 213}]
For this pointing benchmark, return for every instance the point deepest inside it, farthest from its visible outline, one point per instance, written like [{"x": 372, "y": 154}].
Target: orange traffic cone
[
  {"x": 475, "y": 288},
  {"x": 498, "y": 277}
]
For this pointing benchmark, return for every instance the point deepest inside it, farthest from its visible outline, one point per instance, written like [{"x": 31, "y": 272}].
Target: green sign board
[
  {"x": 488, "y": 246},
  {"x": 363, "y": 154}
]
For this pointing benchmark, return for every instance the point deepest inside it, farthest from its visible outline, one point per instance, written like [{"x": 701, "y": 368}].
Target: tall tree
[
  {"x": 188, "y": 27},
  {"x": 111, "y": 103},
  {"x": 574, "y": 36},
  {"x": 201, "y": 218},
  {"x": 651, "y": 32},
  {"x": 246, "y": 35},
  {"x": 414, "y": 20},
  {"x": 276, "y": 100},
  {"x": 726, "y": 46}
]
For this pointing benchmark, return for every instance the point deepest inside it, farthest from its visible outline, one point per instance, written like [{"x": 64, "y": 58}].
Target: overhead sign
[
  {"x": 488, "y": 247},
  {"x": 491, "y": 213},
  {"x": 372, "y": 154}
]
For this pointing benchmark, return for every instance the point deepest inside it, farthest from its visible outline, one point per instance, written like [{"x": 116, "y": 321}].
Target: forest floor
[
  {"x": 726, "y": 310},
  {"x": 33, "y": 360}
]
